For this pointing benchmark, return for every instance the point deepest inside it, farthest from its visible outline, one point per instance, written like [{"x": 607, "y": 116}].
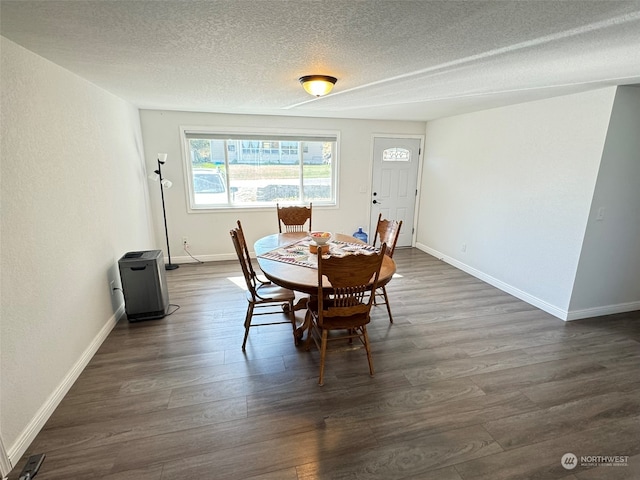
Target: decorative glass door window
[{"x": 396, "y": 154}]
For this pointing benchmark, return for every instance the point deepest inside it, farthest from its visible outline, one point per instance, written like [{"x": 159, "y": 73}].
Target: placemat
[{"x": 298, "y": 252}]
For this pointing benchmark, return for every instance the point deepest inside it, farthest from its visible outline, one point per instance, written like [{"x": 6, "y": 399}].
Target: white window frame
[{"x": 187, "y": 132}]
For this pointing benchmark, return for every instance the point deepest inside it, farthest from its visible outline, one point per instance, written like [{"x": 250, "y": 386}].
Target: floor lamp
[{"x": 164, "y": 183}]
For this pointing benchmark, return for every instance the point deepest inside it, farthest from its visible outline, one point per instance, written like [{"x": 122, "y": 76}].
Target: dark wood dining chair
[
  {"x": 343, "y": 308},
  {"x": 387, "y": 231},
  {"x": 294, "y": 218},
  {"x": 261, "y": 294}
]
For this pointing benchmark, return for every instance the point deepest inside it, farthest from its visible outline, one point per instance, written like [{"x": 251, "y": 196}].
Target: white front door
[{"x": 395, "y": 183}]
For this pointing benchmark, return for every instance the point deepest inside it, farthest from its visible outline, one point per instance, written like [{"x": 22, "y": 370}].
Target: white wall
[
  {"x": 208, "y": 233},
  {"x": 608, "y": 277},
  {"x": 514, "y": 185},
  {"x": 73, "y": 200}
]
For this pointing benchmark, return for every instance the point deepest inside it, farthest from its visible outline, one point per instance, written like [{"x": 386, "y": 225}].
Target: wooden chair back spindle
[{"x": 294, "y": 218}]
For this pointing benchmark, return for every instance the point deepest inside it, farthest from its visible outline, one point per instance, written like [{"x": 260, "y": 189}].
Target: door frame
[{"x": 416, "y": 210}]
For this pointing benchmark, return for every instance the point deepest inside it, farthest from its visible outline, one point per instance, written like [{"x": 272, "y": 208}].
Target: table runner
[{"x": 298, "y": 253}]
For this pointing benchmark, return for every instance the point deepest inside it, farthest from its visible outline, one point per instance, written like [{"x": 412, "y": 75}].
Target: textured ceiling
[{"x": 412, "y": 60}]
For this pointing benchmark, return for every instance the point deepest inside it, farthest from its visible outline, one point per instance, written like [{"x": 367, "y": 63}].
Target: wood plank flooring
[{"x": 471, "y": 383}]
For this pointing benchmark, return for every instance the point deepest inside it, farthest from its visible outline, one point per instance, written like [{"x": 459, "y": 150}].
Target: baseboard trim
[
  {"x": 499, "y": 284},
  {"x": 5, "y": 463},
  {"x": 220, "y": 257},
  {"x": 562, "y": 314},
  {"x": 604, "y": 310},
  {"x": 36, "y": 424},
  {"x": 186, "y": 259}
]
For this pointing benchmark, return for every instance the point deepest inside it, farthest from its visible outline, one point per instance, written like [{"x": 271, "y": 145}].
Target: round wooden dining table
[
  {"x": 298, "y": 277},
  {"x": 303, "y": 278}
]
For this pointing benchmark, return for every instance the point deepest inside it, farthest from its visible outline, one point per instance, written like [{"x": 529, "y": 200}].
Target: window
[
  {"x": 396, "y": 154},
  {"x": 259, "y": 169}
]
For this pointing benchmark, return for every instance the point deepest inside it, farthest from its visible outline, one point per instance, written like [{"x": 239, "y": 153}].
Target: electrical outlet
[
  {"x": 185, "y": 242},
  {"x": 112, "y": 286},
  {"x": 463, "y": 248}
]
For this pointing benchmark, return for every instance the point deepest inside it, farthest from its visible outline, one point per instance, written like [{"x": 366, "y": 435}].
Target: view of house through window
[{"x": 255, "y": 170}]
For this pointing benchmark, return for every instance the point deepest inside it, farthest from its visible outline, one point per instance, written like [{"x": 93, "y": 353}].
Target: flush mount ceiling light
[{"x": 318, "y": 85}]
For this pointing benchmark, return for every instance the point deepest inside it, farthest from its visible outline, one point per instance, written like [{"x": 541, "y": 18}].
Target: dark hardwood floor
[{"x": 471, "y": 383}]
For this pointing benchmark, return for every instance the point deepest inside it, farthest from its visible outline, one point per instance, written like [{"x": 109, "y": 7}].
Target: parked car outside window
[{"x": 209, "y": 187}]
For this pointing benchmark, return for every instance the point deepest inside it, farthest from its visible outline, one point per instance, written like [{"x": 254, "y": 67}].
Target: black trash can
[{"x": 144, "y": 285}]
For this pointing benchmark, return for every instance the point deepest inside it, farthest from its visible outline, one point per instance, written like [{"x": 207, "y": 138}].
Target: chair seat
[
  {"x": 336, "y": 322},
  {"x": 270, "y": 293},
  {"x": 341, "y": 323}
]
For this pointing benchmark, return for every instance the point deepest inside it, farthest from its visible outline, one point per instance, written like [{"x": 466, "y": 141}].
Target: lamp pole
[{"x": 168, "y": 266}]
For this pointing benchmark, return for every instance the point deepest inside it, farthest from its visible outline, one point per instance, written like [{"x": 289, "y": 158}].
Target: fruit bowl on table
[{"x": 320, "y": 238}]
